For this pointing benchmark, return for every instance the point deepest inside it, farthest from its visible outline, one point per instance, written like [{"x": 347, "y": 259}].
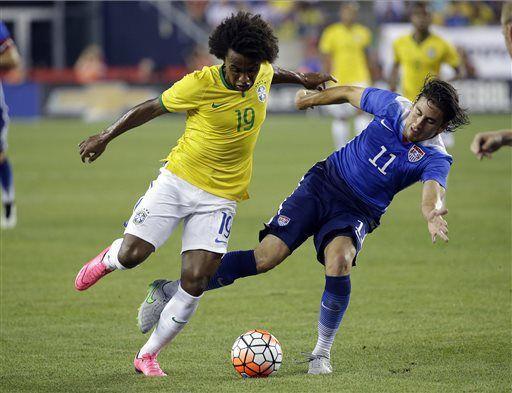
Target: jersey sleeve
[
  {"x": 378, "y": 102},
  {"x": 386, "y": 105},
  {"x": 186, "y": 94},
  {"x": 437, "y": 169},
  {"x": 451, "y": 56}
]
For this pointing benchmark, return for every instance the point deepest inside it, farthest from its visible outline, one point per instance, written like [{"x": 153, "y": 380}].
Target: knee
[
  {"x": 270, "y": 253},
  {"x": 194, "y": 281},
  {"x": 194, "y": 278},
  {"x": 338, "y": 262},
  {"x": 132, "y": 254}
]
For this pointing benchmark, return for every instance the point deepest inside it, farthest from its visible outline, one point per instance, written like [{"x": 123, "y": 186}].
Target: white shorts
[
  {"x": 207, "y": 218},
  {"x": 343, "y": 111}
]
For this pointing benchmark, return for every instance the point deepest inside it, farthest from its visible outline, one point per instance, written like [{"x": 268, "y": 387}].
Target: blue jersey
[{"x": 379, "y": 162}]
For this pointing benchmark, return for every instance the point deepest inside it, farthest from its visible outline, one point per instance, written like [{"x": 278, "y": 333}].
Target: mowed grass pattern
[{"x": 422, "y": 317}]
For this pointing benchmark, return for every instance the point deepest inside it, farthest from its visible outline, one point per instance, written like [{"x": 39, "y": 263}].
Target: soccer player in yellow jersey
[
  {"x": 205, "y": 175},
  {"x": 344, "y": 48},
  {"x": 419, "y": 54}
]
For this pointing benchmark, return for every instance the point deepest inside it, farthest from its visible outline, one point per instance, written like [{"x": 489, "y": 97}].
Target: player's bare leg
[
  {"x": 197, "y": 268},
  {"x": 267, "y": 255},
  {"x": 122, "y": 254},
  {"x": 339, "y": 254}
]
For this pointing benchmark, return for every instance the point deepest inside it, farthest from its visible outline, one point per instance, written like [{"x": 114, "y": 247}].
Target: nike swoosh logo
[
  {"x": 180, "y": 322},
  {"x": 220, "y": 241},
  {"x": 385, "y": 125},
  {"x": 330, "y": 309},
  {"x": 214, "y": 105},
  {"x": 149, "y": 297}
]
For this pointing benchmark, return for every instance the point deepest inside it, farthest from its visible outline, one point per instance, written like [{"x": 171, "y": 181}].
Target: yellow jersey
[
  {"x": 346, "y": 47},
  {"x": 215, "y": 152},
  {"x": 420, "y": 59}
]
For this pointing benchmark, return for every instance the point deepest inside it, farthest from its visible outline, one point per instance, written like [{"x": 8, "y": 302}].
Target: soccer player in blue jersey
[
  {"x": 9, "y": 59},
  {"x": 340, "y": 200}
]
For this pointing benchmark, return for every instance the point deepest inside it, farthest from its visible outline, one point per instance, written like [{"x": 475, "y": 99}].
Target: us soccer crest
[
  {"x": 415, "y": 154},
  {"x": 282, "y": 220},
  {"x": 262, "y": 93},
  {"x": 140, "y": 216}
]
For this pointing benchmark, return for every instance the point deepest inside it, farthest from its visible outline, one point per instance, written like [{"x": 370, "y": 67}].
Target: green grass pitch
[{"x": 422, "y": 318}]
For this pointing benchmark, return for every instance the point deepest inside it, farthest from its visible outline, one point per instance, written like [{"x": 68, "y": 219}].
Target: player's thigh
[
  {"x": 339, "y": 255},
  {"x": 157, "y": 214},
  {"x": 298, "y": 215},
  {"x": 209, "y": 228},
  {"x": 351, "y": 228}
]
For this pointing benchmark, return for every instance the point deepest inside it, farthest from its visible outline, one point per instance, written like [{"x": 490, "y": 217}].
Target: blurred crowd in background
[{"x": 158, "y": 42}]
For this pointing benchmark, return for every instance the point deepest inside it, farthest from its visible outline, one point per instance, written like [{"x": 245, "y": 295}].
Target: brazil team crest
[
  {"x": 262, "y": 93},
  {"x": 140, "y": 216},
  {"x": 415, "y": 154}
]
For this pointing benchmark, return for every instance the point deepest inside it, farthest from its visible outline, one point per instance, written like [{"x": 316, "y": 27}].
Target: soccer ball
[{"x": 256, "y": 354}]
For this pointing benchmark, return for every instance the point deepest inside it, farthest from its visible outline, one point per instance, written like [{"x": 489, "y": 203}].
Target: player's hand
[
  {"x": 301, "y": 101},
  {"x": 92, "y": 148},
  {"x": 437, "y": 225},
  {"x": 316, "y": 80},
  {"x": 486, "y": 143}
]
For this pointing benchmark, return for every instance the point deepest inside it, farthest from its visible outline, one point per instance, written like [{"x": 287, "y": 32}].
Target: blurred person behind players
[
  {"x": 344, "y": 49},
  {"x": 9, "y": 60},
  {"x": 419, "y": 54},
  {"x": 486, "y": 143}
]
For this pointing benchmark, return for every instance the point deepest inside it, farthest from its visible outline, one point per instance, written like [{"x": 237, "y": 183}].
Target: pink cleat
[
  {"x": 148, "y": 365},
  {"x": 91, "y": 272}
]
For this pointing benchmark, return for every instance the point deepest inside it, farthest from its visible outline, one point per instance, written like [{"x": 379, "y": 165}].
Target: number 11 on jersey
[{"x": 374, "y": 160}]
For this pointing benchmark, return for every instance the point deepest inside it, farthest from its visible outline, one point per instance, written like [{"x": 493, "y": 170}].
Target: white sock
[
  {"x": 110, "y": 259},
  {"x": 173, "y": 319},
  {"x": 340, "y": 133},
  {"x": 361, "y": 121}
]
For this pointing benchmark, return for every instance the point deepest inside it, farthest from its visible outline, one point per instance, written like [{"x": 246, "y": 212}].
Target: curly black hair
[
  {"x": 246, "y": 34},
  {"x": 445, "y": 97}
]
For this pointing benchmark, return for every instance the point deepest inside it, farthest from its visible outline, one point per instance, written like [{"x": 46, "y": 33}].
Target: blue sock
[
  {"x": 6, "y": 181},
  {"x": 236, "y": 264},
  {"x": 334, "y": 303}
]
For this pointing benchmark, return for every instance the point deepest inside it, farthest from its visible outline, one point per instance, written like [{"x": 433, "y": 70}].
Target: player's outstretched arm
[
  {"x": 486, "y": 143},
  {"x": 335, "y": 95},
  {"x": 433, "y": 210},
  {"x": 94, "y": 146},
  {"x": 310, "y": 80}
]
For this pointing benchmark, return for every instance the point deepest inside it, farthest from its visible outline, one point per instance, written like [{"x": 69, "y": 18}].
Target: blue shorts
[{"x": 322, "y": 206}]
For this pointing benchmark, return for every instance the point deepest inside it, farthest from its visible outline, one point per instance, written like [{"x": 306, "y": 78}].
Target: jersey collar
[{"x": 223, "y": 79}]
